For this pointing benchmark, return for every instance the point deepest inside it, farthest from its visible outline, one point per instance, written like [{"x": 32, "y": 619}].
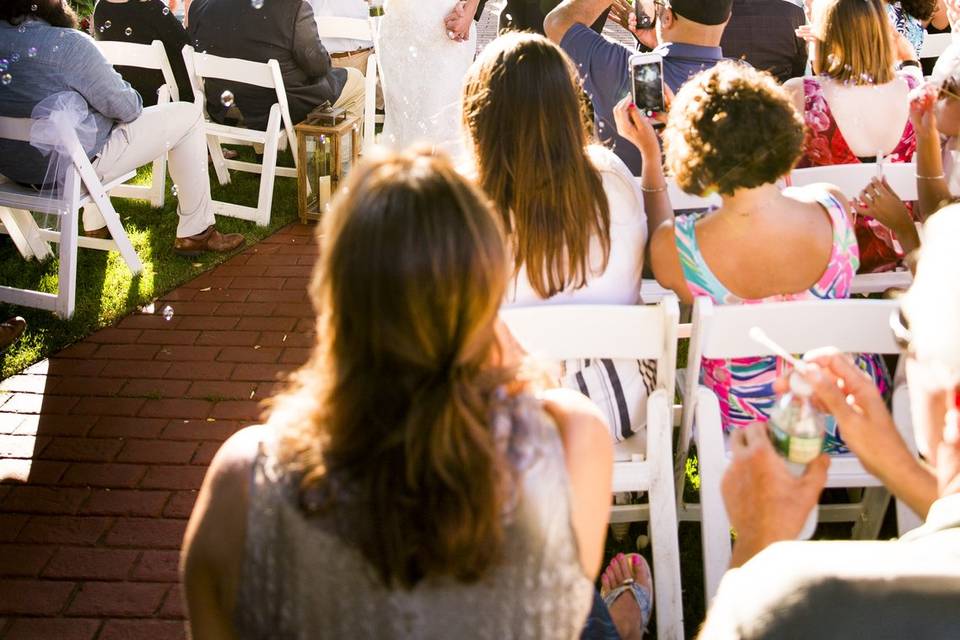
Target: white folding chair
[
  {"x": 145, "y": 56},
  {"x": 722, "y": 332},
  {"x": 357, "y": 29},
  {"x": 81, "y": 187},
  {"x": 681, "y": 200},
  {"x": 201, "y": 66},
  {"x": 934, "y": 44},
  {"x": 565, "y": 332}
]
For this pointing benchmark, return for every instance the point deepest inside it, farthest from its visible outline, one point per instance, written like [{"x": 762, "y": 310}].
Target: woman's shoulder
[{"x": 619, "y": 183}]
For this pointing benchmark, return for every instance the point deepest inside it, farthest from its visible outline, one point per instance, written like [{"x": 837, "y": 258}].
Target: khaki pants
[
  {"x": 351, "y": 98},
  {"x": 177, "y": 129},
  {"x": 358, "y": 60}
]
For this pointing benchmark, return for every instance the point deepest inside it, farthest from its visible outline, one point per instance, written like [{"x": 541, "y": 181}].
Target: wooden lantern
[{"x": 326, "y": 154}]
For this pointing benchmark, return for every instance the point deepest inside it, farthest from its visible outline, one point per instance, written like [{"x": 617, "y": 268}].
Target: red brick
[
  {"x": 23, "y": 561},
  {"x": 128, "y": 427},
  {"x": 208, "y": 280},
  {"x": 300, "y": 284},
  {"x": 295, "y": 355},
  {"x": 63, "y": 530},
  {"x": 181, "y": 294},
  {"x": 228, "y": 338},
  {"x": 245, "y": 309},
  {"x": 267, "y": 390},
  {"x": 157, "y": 452},
  {"x": 289, "y": 272},
  {"x": 122, "y": 599},
  {"x": 188, "y": 354},
  {"x": 34, "y": 499},
  {"x": 288, "y": 339},
  {"x": 147, "y": 533},
  {"x": 56, "y": 425},
  {"x": 179, "y": 408},
  {"x": 223, "y": 295},
  {"x": 295, "y": 309},
  {"x": 209, "y": 323},
  {"x": 201, "y": 371},
  {"x": 36, "y": 403},
  {"x": 309, "y": 259},
  {"x": 239, "y": 271},
  {"x": 270, "y": 260},
  {"x": 286, "y": 295},
  {"x": 21, "y": 446},
  {"x": 115, "y": 335},
  {"x": 66, "y": 367},
  {"x": 263, "y": 355},
  {"x": 140, "y": 629},
  {"x": 81, "y": 563},
  {"x": 33, "y": 471},
  {"x": 243, "y": 410},
  {"x": 125, "y": 502},
  {"x": 155, "y": 388},
  {"x": 173, "y": 477},
  {"x": 205, "y": 453},
  {"x": 148, "y": 321},
  {"x": 201, "y": 429},
  {"x": 221, "y": 390},
  {"x": 123, "y": 476},
  {"x": 82, "y": 449},
  {"x": 10, "y": 525},
  {"x": 173, "y": 605},
  {"x": 78, "y": 350},
  {"x": 10, "y": 422},
  {"x": 257, "y": 282},
  {"x": 28, "y": 384},
  {"x": 266, "y": 324},
  {"x": 261, "y": 372},
  {"x": 109, "y": 406},
  {"x": 47, "y": 628},
  {"x": 306, "y": 324},
  {"x": 135, "y": 369},
  {"x": 88, "y": 386},
  {"x": 33, "y": 597},
  {"x": 158, "y": 566},
  {"x": 171, "y": 336},
  {"x": 192, "y": 308},
  {"x": 180, "y": 504},
  {"x": 127, "y": 352}
]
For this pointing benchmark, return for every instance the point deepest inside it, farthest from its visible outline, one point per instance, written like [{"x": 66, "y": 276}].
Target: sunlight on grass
[{"x": 106, "y": 290}]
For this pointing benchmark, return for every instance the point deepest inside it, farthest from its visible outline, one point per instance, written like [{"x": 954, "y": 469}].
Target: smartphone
[
  {"x": 645, "y": 20},
  {"x": 646, "y": 81}
]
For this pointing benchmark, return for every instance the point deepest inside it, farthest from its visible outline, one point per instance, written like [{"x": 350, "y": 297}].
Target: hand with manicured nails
[{"x": 633, "y": 125}]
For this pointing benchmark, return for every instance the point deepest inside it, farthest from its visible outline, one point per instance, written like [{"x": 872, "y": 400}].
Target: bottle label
[{"x": 797, "y": 449}]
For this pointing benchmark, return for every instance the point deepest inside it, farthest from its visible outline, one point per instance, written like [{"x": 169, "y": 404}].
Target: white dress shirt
[{"x": 342, "y": 9}]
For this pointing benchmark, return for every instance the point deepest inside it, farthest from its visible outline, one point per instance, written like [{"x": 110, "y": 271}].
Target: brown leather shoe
[
  {"x": 209, "y": 240},
  {"x": 11, "y": 330},
  {"x": 100, "y": 234}
]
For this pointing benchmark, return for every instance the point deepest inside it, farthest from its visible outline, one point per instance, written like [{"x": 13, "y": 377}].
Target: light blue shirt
[{"x": 42, "y": 60}]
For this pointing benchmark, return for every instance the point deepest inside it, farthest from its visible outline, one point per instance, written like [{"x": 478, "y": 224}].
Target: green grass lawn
[{"x": 106, "y": 291}]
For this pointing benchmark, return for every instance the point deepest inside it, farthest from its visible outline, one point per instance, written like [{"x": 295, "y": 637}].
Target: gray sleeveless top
[{"x": 299, "y": 580}]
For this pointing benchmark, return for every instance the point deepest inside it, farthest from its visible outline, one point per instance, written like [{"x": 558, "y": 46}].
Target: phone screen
[{"x": 648, "y": 85}]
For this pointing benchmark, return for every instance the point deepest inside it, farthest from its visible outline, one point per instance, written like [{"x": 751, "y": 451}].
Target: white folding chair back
[
  {"x": 145, "y": 56},
  {"x": 357, "y": 29},
  {"x": 934, "y": 44},
  {"x": 681, "y": 200},
  {"x": 564, "y": 332},
  {"x": 202, "y": 66},
  {"x": 722, "y": 332},
  {"x": 81, "y": 186},
  {"x": 852, "y": 178}
]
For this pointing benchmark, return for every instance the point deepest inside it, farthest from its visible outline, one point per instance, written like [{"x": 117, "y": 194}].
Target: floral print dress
[
  {"x": 825, "y": 145},
  {"x": 905, "y": 24},
  {"x": 744, "y": 386}
]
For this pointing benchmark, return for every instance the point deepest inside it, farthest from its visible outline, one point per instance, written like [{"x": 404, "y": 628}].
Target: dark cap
[{"x": 708, "y": 12}]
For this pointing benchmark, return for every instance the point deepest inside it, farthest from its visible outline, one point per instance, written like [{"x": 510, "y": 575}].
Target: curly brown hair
[
  {"x": 922, "y": 10},
  {"x": 731, "y": 127}
]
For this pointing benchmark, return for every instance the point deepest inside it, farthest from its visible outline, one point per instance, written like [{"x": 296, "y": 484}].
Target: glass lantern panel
[
  {"x": 325, "y": 162},
  {"x": 311, "y": 143},
  {"x": 346, "y": 154}
]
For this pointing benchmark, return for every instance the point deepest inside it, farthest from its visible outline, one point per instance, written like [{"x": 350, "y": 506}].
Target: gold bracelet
[
  {"x": 920, "y": 177},
  {"x": 656, "y": 190}
]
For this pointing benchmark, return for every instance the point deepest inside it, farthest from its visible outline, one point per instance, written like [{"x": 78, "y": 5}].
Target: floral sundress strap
[{"x": 844, "y": 255}]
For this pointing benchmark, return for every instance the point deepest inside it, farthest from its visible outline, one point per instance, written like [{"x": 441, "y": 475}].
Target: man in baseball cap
[{"x": 685, "y": 32}]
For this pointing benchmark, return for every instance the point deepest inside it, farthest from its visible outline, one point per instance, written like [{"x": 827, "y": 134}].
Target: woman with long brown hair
[{"x": 409, "y": 483}]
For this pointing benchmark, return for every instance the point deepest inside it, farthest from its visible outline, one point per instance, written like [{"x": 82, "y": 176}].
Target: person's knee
[{"x": 180, "y": 118}]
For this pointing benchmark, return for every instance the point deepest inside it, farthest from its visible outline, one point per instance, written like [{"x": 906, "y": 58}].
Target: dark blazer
[
  {"x": 528, "y": 15},
  {"x": 283, "y": 30},
  {"x": 762, "y": 33}
]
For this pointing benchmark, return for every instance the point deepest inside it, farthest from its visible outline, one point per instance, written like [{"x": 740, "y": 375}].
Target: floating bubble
[
  {"x": 168, "y": 313},
  {"x": 6, "y": 79},
  {"x": 22, "y": 28},
  {"x": 32, "y": 52},
  {"x": 33, "y": 7},
  {"x": 413, "y": 52},
  {"x": 128, "y": 32},
  {"x": 4, "y": 63},
  {"x": 174, "y": 190},
  {"x": 166, "y": 11},
  {"x": 256, "y": 4},
  {"x": 227, "y": 98},
  {"x": 107, "y": 25},
  {"x": 15, "y": 57}
]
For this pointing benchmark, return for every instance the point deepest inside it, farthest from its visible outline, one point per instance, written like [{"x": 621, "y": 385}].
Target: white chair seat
[{"x": 17, "y": 196}]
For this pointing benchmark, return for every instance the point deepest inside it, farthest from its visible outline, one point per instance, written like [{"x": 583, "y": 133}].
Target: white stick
[{"x": 759, "y": 335}]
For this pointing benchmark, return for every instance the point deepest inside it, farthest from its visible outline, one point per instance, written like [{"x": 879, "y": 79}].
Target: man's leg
[
  {"x": 175, "y": 128},
  {"x": 351, "y": 98}
]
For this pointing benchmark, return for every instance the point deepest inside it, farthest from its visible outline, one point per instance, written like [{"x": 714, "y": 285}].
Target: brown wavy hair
[
  {"x": 731, "y": 127},
  {"x": 528, "y": 130},
  {"x": 855, "y": 43},
  {"x": 387, "y": 425}
]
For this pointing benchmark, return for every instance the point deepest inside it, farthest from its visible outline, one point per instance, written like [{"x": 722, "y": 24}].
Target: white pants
[{"x": 176, "y": 129}]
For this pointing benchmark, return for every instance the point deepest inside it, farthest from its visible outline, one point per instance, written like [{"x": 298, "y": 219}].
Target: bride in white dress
[{"x": 423, "y": 65}]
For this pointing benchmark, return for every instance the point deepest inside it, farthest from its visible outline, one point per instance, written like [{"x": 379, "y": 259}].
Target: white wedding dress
[{"x": 423, "y": 71}]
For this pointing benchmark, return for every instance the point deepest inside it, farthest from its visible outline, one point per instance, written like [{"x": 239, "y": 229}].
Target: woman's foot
[{"x": 627, "y": 588}]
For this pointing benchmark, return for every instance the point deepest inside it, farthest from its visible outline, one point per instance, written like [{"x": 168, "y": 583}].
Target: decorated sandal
[{"x": 641, "y": 592}]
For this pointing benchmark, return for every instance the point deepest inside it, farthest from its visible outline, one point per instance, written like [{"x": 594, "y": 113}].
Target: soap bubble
[
  {"x": 413, "y": 52},
  {"x": 168, "y": 313},
  {"x": 256, "y": 4},
  {"x": 22, "y": 28},
  {"x": 4, "y": 63},
  {"x": 107, "y": 24},
  {"x": 166, "y": 11},
  {"x": 174, "y": 190},
  {"x": 33, "y": 7},
  {"x": 6, "y": 79},
  {"x": 227, "y": 98},
  {"x": 15, "y": 57},
  {"x": 128, "y": 32},
  {"x": 32, "y": 52}
]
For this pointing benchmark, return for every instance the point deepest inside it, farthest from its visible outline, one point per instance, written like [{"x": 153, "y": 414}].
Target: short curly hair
[{"x": 731, "y": 127}]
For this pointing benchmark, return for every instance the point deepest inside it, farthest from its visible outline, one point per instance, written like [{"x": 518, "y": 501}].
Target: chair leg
[
  {"x": 269, "y": 170},
  {"x": 219, "y": 162},
  {"x": 715, "y": 525},
  {"x": 67, "y": 282},
  {"x": 25, "y": 233},
  {"x": 873, "y": 506}
]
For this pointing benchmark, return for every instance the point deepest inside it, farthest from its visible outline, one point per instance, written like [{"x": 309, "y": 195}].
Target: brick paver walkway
[{"x": 104, "y": 446}]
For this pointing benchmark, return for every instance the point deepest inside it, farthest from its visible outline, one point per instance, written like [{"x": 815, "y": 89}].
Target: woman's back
[{"x": 300, "y": 577}]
